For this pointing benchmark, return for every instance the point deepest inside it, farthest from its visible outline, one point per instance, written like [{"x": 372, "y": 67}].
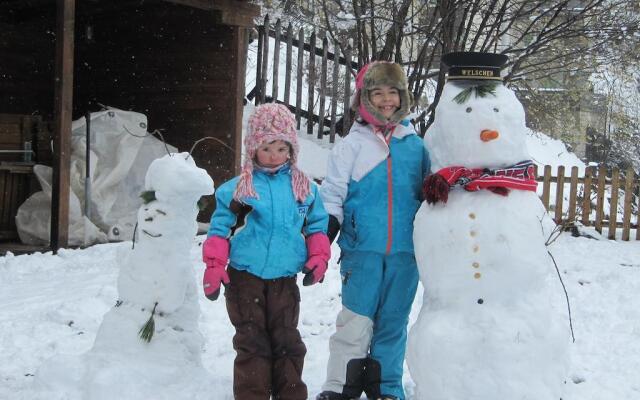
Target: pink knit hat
[{"x": 270, "y": 122}]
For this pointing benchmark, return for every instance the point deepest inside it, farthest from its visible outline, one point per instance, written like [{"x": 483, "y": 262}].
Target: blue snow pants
[{"x": 377, "y": 294}]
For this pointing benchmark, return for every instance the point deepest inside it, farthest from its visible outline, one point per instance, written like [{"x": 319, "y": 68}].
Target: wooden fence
[
  {"x": 601, "y": 198},
  {"x": 329, "y": 72},
  {"x": 326, "y": 92}
]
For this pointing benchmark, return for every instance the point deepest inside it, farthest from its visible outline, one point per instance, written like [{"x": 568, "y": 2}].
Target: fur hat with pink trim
[
  {"x": 373, "y": 75},
  {"x": 268, "y": 123}
]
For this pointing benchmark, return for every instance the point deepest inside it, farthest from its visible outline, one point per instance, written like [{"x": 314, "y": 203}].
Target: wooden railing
[
  {"x": 588, "y": 196},
  {"x": 327, "y": 96}
]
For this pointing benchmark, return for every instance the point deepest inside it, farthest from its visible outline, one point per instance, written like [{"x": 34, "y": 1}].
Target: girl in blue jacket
[
  {"x": 268, "y": 225},
  {"x": 372, "y": 192}
]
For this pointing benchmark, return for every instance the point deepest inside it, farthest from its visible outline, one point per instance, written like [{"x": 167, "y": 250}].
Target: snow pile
[
  {"x": 545, "y": 150},
  {"x": 150, "y": 339}
]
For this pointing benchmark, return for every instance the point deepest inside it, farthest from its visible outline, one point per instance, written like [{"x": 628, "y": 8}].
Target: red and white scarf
[{"x": 520, "y": 176}]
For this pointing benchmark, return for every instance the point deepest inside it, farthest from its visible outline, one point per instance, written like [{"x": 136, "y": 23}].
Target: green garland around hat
[{"x": 481, "y": 90}]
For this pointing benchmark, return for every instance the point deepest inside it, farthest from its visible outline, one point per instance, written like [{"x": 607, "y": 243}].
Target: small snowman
[
  {"x": 490, "y": 326},
  {"x": 150, "y": 339}
]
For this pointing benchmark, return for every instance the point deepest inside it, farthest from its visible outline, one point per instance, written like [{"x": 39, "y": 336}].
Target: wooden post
[
  {"x": 602, "y": 177},
  {"x": 613, "y": 203},
  {"x": 559, "y": 194},
  {"x": 573, "y": 195},
  {"x": 299, "y": 75},
  {"x": 311, "y": 82},
  {"x": 586, "y": 200},
  {"x": 628, "y": 196},
  {"x": 265, "y": 60},
  {"x": 346, "y": 118},
  {"x": 259, "y": 77},
  {"x": 236, "y": 105},
  {"x": 638, "y": 220},
  {"x": 276, "y": 62},
  {"x": 546, "y": 184},
  {"x": 287, "y": 78},
  {"x": 334, "y": 90},
  {"x": 62, "y": 109},
  {"x": 323, "y": 86}
]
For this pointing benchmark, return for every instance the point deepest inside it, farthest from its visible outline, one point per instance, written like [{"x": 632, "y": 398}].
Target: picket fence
[
  {"x": 603, "y": 198},
  {"x": 328, "y": 70},
  {"x": 325, "y": 101}
]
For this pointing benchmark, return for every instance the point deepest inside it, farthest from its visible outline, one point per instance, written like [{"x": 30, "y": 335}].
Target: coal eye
[
  {"x": 495, "y": 109},
  {"x": 468, "y": 109}
]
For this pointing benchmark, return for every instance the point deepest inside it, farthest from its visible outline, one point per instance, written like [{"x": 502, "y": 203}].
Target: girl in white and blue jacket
[
  {"x": 372, "y": 191},
  {"x": 269, "y": 224}
]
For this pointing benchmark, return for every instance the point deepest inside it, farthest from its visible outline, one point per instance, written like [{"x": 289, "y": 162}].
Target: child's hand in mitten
[
  {"x": 213, "y": 276},
  {"x": 314, "y": 270},
  {"x": 318, "y": 254},
  {"x": 215, "y": 254}
]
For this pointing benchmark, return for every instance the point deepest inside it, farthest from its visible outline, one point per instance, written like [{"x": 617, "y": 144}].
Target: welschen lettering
[{"x": 476, "y": 72}]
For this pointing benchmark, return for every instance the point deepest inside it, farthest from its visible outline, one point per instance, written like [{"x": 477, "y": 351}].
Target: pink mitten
[
  {"x": 318, "y": 255},
  {"x": 215, "y": 253}
]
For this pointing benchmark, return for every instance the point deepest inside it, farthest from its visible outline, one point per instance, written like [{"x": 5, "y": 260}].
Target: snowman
[
  {"x": 150, "y": 339},
  {"x": 490, "y": 326}
]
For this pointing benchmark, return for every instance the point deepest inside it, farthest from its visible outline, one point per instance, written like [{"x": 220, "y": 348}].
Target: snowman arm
[{"x": 336, "y": 182}]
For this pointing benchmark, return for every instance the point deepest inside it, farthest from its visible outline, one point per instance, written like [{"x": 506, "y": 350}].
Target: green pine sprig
[
  {"x": 147, "y": 331},
  {"x": 463, "y": 96},
  {"x": 148, "y": 196},
  {"x": 486, "y": 89},
  {"x": 481, "y": 90}
]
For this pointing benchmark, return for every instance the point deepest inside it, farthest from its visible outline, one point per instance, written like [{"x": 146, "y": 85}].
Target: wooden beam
[
  {"x": 63, "y": 102},
  {"x": 232, "y": 12},
  {"x": 239, "y": 60}
]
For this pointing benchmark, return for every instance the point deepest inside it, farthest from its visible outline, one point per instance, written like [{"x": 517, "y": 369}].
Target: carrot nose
[{"x": 487, "y": 135}]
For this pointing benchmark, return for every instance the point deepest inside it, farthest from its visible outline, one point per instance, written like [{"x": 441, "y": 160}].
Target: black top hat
[{"x": 474, "y": 65}]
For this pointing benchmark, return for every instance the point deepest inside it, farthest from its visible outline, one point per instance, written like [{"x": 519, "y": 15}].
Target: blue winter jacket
[
  {"x": 374, "y": 189},
  {"x": 267, "y": 235}
]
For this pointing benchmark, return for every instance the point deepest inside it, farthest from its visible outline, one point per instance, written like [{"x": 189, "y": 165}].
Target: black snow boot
[
  {"x": 372, "y": 378},
  {"x": 327, "y": 395}
]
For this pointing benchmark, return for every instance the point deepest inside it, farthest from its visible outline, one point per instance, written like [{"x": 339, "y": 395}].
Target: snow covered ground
[{"x": 53, "y": 305}]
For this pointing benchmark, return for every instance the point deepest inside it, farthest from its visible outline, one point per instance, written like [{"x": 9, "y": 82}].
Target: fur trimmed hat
[
  {"x": 373, "y": 75},
  {"x": 268, "y": 123}
]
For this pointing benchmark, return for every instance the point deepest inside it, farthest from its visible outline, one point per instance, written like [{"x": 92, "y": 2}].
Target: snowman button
[
  {"x": 472, "y": 233},
  {"x": 476, "y": 248},
  {"x": 472, "y": 215},
  {"x": 480, "y": 301},
  {"x": 477, "y": 275},
  {"x": 476, "y": 264}
]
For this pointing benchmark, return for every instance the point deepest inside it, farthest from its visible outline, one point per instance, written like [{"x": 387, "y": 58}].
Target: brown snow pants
[{"x": 269, "y": 350}]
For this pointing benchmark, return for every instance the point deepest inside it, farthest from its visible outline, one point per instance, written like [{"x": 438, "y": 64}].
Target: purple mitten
[
  {"x": 318, "y": 255},
  {"x": 215, "y": 253}
]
